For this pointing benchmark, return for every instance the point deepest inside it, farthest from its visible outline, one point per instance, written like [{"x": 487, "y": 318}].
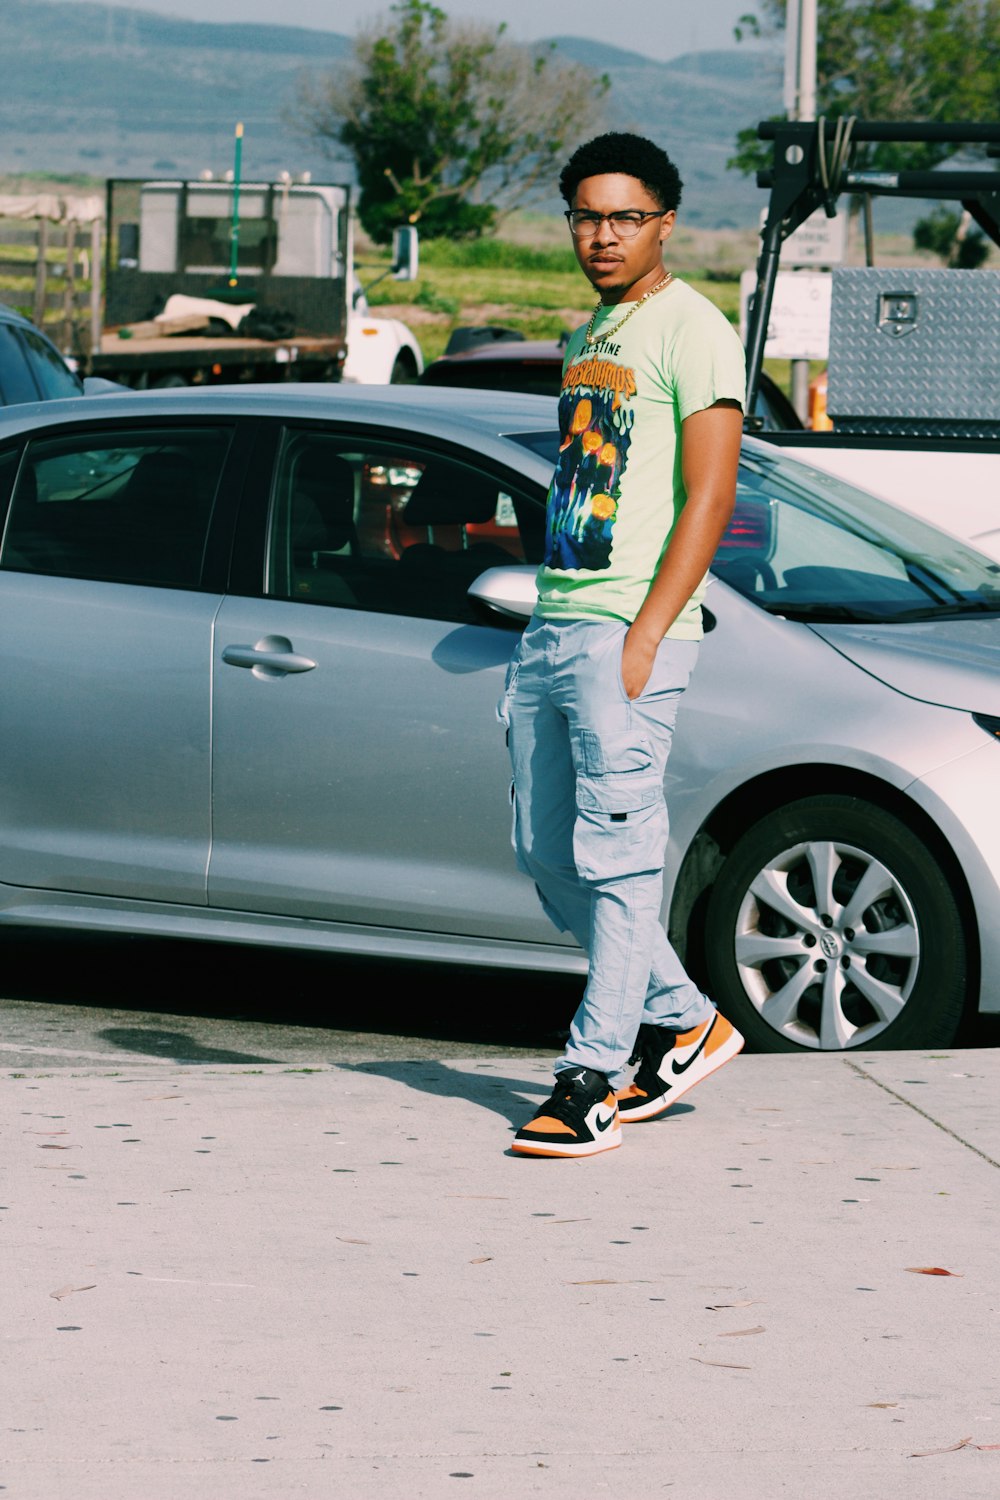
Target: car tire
[
  {"x": 404, "y": 371},
  {"x": 831, "y": 926}
]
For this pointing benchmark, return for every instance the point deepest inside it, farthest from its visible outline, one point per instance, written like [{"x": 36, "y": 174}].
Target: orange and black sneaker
[
  {"x": 579, "y": 1119},
  {"x": 671, "y": 1062}
]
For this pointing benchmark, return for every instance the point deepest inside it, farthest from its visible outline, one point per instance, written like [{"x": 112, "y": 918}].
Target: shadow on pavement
[
  {"x": 513, "y": 1098},
  {"x": 174, "y": 1045}
]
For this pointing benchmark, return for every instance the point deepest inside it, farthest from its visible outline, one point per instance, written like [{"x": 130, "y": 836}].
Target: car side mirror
[
  {"x": 509, "y": 591},
  {"x": 405, "y": 253}
]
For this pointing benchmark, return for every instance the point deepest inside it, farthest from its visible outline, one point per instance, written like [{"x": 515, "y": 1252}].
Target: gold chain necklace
[{"x": 609, "y": 333}]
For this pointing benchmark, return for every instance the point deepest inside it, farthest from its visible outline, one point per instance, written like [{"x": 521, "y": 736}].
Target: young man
[{"x": 650, "y": 421}]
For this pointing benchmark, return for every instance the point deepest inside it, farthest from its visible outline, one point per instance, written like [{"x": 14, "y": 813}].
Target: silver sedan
[{"x": 254, "y": 640}]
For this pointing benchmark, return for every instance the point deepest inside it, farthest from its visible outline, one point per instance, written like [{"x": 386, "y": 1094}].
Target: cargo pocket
[
  {"x": 509, "y": 689},
  {"x": 621, "y": 815}
]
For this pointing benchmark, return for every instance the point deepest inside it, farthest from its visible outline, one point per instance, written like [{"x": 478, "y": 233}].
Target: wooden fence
[{"x": 57, "y": 283}]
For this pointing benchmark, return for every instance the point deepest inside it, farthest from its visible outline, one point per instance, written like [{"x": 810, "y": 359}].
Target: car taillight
[{"x": 749, "y": 529}]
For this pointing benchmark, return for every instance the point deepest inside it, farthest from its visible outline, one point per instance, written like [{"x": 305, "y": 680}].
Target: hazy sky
[{"x": 657, "y": 28}]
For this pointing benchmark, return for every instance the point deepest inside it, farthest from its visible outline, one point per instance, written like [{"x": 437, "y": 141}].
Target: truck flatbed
[{"x": 117, "y": 356}]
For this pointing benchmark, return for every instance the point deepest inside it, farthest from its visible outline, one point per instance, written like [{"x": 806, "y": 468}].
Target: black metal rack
[{"x": 815, "y": 161}]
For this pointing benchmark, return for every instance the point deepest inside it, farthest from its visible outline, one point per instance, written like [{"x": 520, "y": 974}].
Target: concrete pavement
[{"x": 242, "y": 1281}]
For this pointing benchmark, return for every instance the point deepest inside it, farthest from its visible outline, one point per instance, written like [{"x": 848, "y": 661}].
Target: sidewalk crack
[{"x": 862, "y": 1073}]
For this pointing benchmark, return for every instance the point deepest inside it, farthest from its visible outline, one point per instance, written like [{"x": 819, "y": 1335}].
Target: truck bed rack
[{"x": 815, "y": 161}]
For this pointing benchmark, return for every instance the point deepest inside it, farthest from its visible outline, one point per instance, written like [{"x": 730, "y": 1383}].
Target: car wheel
[
  {"x": 404, "y": 371},
  {"x": 832, "y": 926}
]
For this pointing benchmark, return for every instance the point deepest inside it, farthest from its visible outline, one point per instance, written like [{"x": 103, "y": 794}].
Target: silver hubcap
[{"x": 827, "y": 945}]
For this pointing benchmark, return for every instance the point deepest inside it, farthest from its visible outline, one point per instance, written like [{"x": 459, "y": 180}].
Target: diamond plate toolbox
[{"x": 915, "y": 349}]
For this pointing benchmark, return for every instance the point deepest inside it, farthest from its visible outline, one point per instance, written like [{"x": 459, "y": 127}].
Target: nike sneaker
[
  {"x": 579, "y": 1119},
  {"x": 671, "y": 1062}
]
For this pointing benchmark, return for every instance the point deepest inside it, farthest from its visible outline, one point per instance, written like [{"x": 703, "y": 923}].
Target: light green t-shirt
[{"x": 618, "y": 488}]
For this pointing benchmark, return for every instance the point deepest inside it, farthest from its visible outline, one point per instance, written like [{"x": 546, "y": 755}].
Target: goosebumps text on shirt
[{"x": 618, "y": 488}]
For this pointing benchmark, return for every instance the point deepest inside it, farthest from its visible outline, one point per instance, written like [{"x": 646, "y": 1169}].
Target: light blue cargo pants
[{"x": 590, "y": 824}]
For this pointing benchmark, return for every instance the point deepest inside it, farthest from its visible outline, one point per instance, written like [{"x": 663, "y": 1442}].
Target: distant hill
[{"x": 118, "y": 92}]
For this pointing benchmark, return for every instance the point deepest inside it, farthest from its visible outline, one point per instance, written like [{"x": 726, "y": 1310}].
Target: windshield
[{"x": 808, "y": 546}]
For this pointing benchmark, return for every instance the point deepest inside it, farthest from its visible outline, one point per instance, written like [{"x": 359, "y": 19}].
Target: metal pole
[
  {"x": 805, "y": 97},
  {"x": 807, "y": 59},
  {"x": 41, "y": 272},
  {"x": 96, "y": 275},
  {"x": 234, "y": 234},
  {"x": 767, "y": 270},
  {"x": 791, "y": 94},
  {"x": 69, "y": 292}
]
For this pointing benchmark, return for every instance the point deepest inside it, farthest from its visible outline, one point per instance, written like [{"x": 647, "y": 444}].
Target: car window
[
  {"x": 130, "y": 507},
  {"x": 545, "y": 443},
  {"x": 805, "y": 544},
  {"x": 392, "y": 528},
  {"x": 537, "y": 377},
  {"x": 16, "y": 383},
  {"x": 50, "y": 370}
]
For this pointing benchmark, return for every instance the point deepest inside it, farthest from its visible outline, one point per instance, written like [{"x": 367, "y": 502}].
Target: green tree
[
  {"x": 950, "y": 236},
  {"x": 894, "y": 60},
  {"x": 449, "y": 125}
]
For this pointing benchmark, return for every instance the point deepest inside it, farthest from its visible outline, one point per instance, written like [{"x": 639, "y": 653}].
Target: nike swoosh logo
[
  {"x": 600, "y": 1124},
  {"x": 678, "y": 1068}
]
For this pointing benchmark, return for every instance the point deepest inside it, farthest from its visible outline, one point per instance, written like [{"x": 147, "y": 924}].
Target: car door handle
[{"x": 272, "y": 656}]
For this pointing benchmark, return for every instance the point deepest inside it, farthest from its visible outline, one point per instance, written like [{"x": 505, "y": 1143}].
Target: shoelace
[
  {"x": 639, "y": 1050},
  {"x": 565, "y": 1104},
  {"x": 644, "y": 1052}
]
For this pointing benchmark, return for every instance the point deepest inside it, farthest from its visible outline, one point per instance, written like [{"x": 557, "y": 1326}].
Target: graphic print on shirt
[{"x": 583, "y": 501}]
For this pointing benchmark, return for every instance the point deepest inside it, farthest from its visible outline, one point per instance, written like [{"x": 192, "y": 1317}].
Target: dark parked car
[
  {"x": 31, "y": 367},
  {"x": 491, "y": 358}
]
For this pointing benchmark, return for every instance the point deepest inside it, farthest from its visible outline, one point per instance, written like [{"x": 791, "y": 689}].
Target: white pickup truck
[
  {"x": 180, "y": 310},
  {"x": 914, "y": 364}
]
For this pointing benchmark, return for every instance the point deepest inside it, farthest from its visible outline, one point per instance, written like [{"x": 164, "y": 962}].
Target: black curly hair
[{"x": 633, "y": 155}]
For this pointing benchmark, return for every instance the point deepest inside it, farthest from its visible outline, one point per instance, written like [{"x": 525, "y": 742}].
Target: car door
[
  {"x": 360, "y": 771},
  {"x": 106, "y": 610}
]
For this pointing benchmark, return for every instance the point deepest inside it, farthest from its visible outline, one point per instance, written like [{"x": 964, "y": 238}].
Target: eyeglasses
[{"x": 626, "y": 223}]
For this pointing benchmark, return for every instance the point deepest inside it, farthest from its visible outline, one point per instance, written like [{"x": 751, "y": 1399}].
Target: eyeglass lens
[{"x": 627, "y": 222}]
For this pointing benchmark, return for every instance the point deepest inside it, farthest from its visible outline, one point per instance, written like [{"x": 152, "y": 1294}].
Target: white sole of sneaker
[
  {"x": 659, "y": 1106},
  {"x": 607, "y": 1143}
]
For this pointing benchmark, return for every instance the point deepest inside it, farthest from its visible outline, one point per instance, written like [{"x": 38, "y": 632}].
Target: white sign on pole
[
  {"x": 799, "y": 325},
  {"x": 818, "y": 241}
]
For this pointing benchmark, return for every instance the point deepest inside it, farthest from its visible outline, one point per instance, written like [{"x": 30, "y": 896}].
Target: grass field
[{"x": 530, "y": 281}]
